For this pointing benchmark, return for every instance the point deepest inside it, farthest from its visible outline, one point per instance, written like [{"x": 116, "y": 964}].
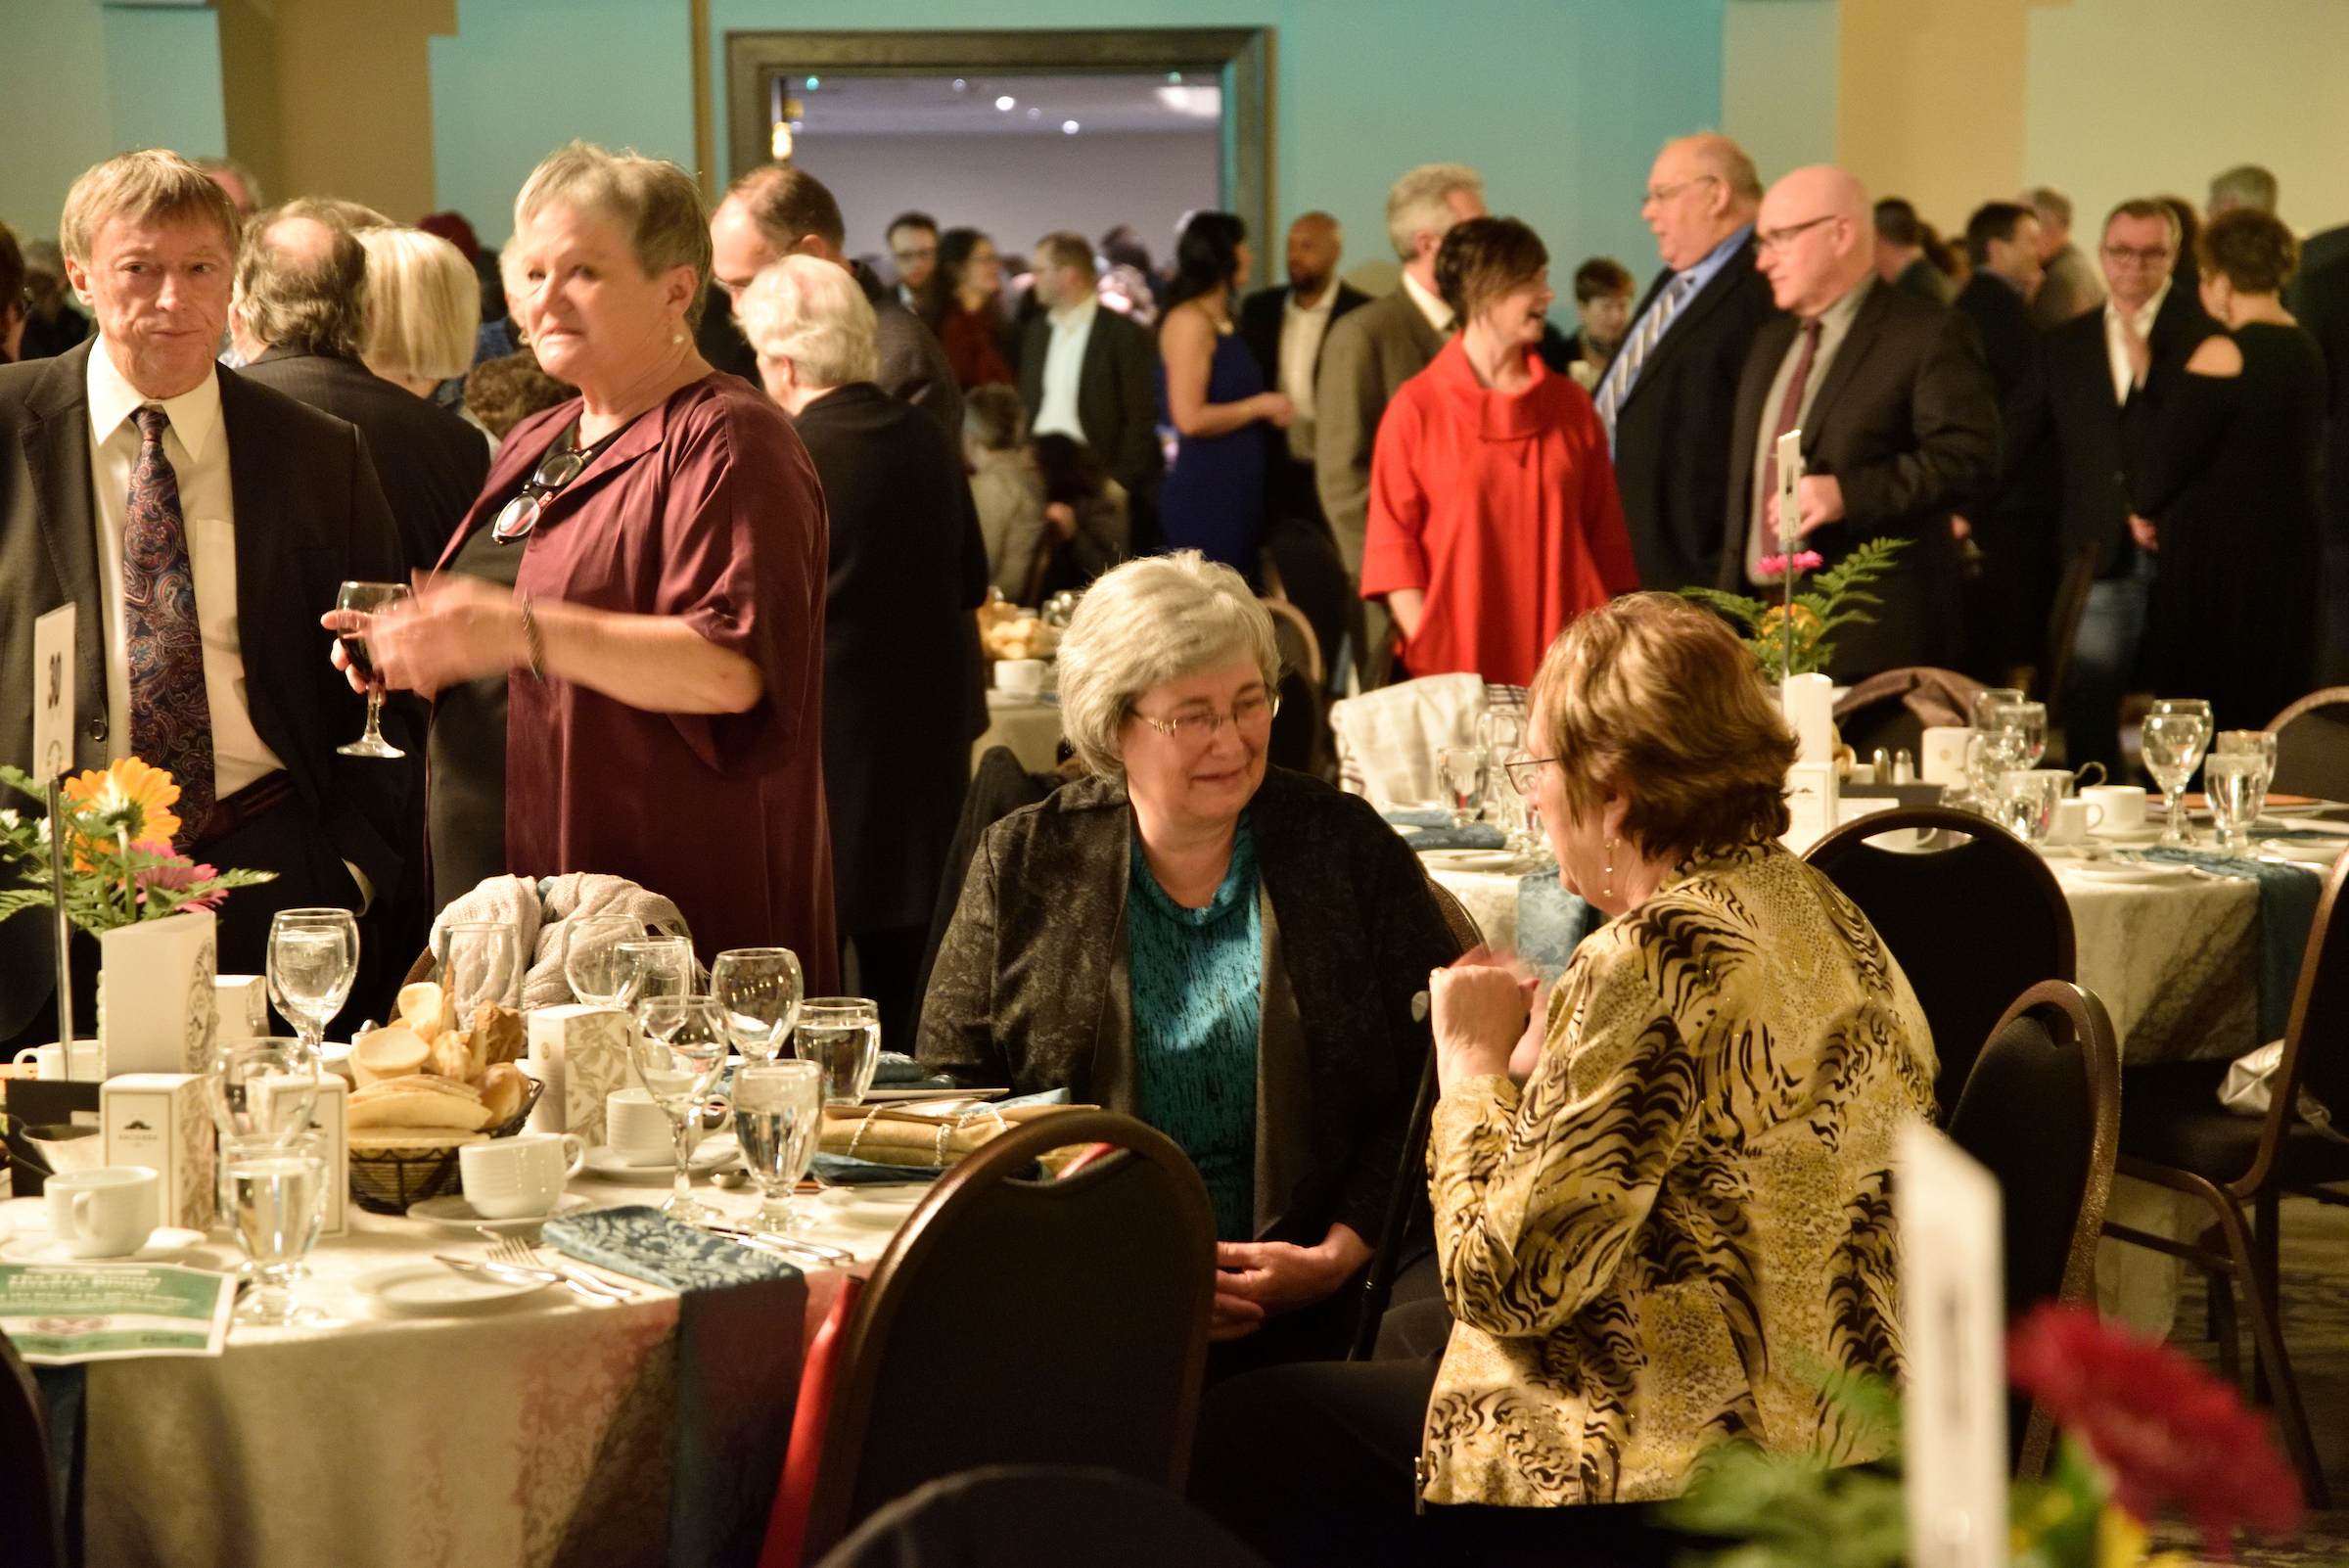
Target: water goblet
[
  {"x": 480, "y": 962},
  {"x": 313, "y": 956},
  {"x": 262, "y": 1090},
  {"x": 677, "y": 1057},
  {"x": 655, "y": 966},
  {"x": 2235, "y": 783},
  {"x": 1460, "y": 769},
  {"x": 778, "y": 1115},
  {"x": 2172, "y": 746},
  {"x": 842, "y": 1036},
  {"x": 1990, "y": 698},
  {"x": 591, "y": 956},
  {"x": 2259, "y": 743},
  {"x": 2027, "y": 804},
  {"x": 2028, "y": 723},
  {"x": 360, "y": 603},
  {"x": 1500, "y": 731},
  {"x": 1989, "y": 755},
  {"x": 760, "y": 990},
  {"x": 276, "y": 1194}
]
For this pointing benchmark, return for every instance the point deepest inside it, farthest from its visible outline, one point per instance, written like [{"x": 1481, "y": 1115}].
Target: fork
[{"x": 516, "y": 1253}]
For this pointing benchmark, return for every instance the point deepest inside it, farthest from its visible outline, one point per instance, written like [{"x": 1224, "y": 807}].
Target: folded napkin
[
  {"x": 921, "y": 1137},
  {"x": 1420, "y": 816},
  {"x": 840, "y": 1170},
  {"x": 1475, "y": 836},
  {"x": 1550, "y": 922},
  {"x": 2288, "y": 908},
  {"x": 897, "y": 1070}
]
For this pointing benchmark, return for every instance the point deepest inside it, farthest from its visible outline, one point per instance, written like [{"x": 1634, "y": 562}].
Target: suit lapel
[
  {"x": 57, "y": 452},
  {"x": 1858, "y": 340},
  {"x": 1709, "y": 299}
]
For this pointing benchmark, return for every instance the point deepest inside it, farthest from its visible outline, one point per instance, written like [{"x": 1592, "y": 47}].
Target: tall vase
[{"x": 156, "y": 1009}]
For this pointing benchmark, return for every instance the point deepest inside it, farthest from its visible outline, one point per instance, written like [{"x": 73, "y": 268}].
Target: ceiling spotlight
[
  {"x": 1006, "y": 102},
  {"x": 1068, "y": 127},
  {"x": 1174, "y": 78},
  {"x": 1035, "y": 113},
  {"x": 813, "y": 84},
  {"x": 960, "y": 85}
]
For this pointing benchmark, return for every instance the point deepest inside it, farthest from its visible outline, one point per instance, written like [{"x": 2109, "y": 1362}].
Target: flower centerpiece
[
  {"x": 1791, "y": 636},
  {"x": 120, "y": 866}
]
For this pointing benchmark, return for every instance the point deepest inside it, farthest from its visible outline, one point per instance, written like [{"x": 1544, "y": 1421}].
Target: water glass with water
[
  {"x": 2027, "y": 723},
  {"x": 778, "y": 1115},
  {"x": 313, "y": 957},
  {"x": 1460, "y": 773},
  {"x": 677, "y": 1058},
  {"x": 2237, "y": 785},
  {"x": 262, "y": 1090},
  {"x": 842, "y": 1036},
  {"x": 655, "y": 966},
  {"x": 760, "y": 990},
  {"x": 276, "y": 1195},
  {"x": 2171, "y": 743}
]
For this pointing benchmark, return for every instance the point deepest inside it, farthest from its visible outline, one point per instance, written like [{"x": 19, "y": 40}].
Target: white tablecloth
[{"x": 1031, "y": 729}]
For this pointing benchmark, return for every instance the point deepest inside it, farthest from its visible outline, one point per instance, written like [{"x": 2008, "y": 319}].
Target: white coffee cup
[
  {"x": 2074, "y": 819},
  {"x": 513, "y": 1178},
  {"x": 1940, "y": 755},
  {"x": 51, "y": 1063},
  {"x": 105, "y": 1213},
  {"x": 637, "y": 1129},
  {"x": 1022, "y": 677},
  {"x": 2123, "y": 806},
  {"x": 2066, "y": 785}
]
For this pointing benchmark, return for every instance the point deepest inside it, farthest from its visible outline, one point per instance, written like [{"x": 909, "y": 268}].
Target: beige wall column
[{"x": 1929, "y": 100}]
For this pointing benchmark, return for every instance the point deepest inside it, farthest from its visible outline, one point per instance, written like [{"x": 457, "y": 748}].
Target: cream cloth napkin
[{"x": 538, "y": 913}]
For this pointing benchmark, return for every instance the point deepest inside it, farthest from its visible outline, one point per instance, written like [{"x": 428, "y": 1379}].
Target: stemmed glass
[
  {"x": 2236, "y": 786},
  {"x": 760, "y": 990},
  {"x": 677, "y": 1057},
  {"x": 842, "y": 1036},
  {"x": 652, "y": 968},
  {"x": 1460, "y": 769},
  {"x": 313, "y": 959},
  {"x": 2028, "y": 723},
  {"x": 361, "y": 603},
  {"x": 1500, "y": 731},
  {"x": 1989, "y": 755},
  {"x": 591, "y": 956},
  {"x": 276, "y": 1194},
  {"x": 478, "y": 965},
  {"x": 778, "y": 1115},
  {"x": 2172, "y": 746},
  {"x": 1990, "y": 699},
  {"x": 262, "y": 1090}
]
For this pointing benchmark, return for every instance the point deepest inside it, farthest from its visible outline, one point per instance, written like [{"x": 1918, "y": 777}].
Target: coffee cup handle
[
  {"x": 2095, "y": 815},
  {"x": 576, "y": 1148},
  {"x": 27, "y": 1055},
  {"x": 83, "y": 1203}
]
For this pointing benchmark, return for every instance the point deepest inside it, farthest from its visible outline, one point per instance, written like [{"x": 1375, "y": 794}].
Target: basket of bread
[
  {"x": 1007, "y": 632},
  {"x": 424, "y": 1087}
]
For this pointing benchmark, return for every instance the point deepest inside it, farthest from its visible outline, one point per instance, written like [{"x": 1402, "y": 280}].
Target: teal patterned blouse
[{"x": 1197, "y": 978}]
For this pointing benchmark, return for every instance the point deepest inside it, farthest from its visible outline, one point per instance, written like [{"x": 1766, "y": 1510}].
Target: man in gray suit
[{"x": 1371, "y": 352}]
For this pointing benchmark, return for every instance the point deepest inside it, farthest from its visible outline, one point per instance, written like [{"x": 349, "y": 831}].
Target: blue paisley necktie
[{"x": 170, "y": 715}]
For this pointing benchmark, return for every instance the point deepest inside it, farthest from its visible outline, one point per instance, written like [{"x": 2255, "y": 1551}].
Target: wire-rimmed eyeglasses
[{"x": 1201, "y": 728}]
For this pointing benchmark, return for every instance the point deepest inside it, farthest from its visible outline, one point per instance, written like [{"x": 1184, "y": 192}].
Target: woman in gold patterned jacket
[{"x": 1662, "y": 1196}]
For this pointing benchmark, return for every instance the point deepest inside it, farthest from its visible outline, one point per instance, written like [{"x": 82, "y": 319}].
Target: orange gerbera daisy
[{"x": 135, "y": 795}]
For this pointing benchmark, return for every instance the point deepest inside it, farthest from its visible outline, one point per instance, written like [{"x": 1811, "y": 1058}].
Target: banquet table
[
  {"x": 1029, "y": 727},
  {"x": 540, "y": 1432}
]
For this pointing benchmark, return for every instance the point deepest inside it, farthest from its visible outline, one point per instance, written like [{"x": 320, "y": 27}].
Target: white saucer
[
  {"x": 168, "y": 1244},
  {"x": 2136, "y": 835},
  {"x": 451, "y": 1212},
  {"x": 605, "y": 1164},
  {"x": 1472, "y": 860},
  {"x": 435, "y": 1290},
  {"x": 2303, "y": 852}
]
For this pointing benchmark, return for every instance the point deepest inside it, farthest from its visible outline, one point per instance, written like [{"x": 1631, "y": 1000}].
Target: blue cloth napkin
[
  {"x": 1423, "y": 816},
  {"x": 739, "y": 1313},
  {"x": 1550, "y": 922},
  {"x": 2288, "y": 908},
  {"x": 844, "y": 1171},
  {"x": 897, "y": 1070},
  {"x": 1475, "y": 836}
]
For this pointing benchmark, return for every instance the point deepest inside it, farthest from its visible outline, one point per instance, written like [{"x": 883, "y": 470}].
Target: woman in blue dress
[{"x": 1212, "y": 392}]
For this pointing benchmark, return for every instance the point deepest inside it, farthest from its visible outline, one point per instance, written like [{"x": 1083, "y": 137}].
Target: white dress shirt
[
  {"x": 1302, "y": 329},
  {"x": 2116, "y": 347},
  {"x": 1063, "y": 368},
  {"x": 196, "y": 448},
  {"x": 1431, "y": 305}
]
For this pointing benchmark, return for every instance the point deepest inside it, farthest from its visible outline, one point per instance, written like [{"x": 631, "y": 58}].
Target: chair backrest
[
  {"x": 1456, "y": 918},
  {"x": 2064, "y": 628},
  {"x": 2316, "y": 1057},
  {"x": 999, "y": 785},
  {"x": 1016, "y": 1322},
  {"x": 1300, "y": 646},
  {"x": 2312, "y": 745},
  {"x": 1041, "y": 1517},
  {"x": 29, "y": 1506},
  {"x": 1971, "y": 925}
]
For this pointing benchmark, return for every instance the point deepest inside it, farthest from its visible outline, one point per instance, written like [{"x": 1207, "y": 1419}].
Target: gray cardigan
[{"x": 1030, "y": 990}]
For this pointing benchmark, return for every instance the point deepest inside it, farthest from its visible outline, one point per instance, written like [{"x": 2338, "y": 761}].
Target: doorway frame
[{"x": 1240, "y": 57}]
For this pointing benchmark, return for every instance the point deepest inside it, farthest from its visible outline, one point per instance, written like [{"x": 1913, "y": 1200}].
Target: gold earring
[{"x": 1610, "y": 886}]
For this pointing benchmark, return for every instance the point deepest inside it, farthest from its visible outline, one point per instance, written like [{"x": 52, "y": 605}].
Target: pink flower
[
  {"x": 177, "y": 874},
  {"x": 1808, "y": 561},
  {"x": 1775, "y": 566}
]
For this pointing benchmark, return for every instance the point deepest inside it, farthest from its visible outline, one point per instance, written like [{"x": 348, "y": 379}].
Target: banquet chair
[
  {"x": 2042, "y": 1111},
  {"x": 2312, "y": 746},
  {"x": 30, "y": 1522},
  {"x": 1971, "y": 925},
  {"x": 999, "y": 785},
  {"x": 1300, "y": 738},
  {"x": 2178, "y": 1135},
  {"x": 1041, "y": 1516},
  {"x": 1018, "y": 1322}
]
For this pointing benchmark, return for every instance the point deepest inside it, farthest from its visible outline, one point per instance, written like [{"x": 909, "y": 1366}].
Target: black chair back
[
  {"x": 2315, "y": 1039},
  {"x": 2312, "y": 746},
  {"x": 1041, "y": 1517},
  {"x": 999, "y": 785},
  {"x": 28, "y": 1510},
  {"x": 1019, "y": 1321},
  {"x": 1971, "y": 925},
  {"x": 1301, "y": 739}
]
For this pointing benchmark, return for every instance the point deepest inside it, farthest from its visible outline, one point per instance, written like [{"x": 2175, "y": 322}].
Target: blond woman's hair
[{"x": 424, "y": 305}]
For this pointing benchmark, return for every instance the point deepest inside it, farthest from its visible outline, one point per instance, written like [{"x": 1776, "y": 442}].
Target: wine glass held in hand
[
  {"x": 357, "y": 607},
  {"x": 676, "y": 1059},
  {"x": 312, "y": 959},
  {"x": 842, "y": 1036},
  {"x": 591, "y": 956},
  {"x": 760, "y": 988},
  {"x": 2172, "y": 746},
  {"x": 778, "y": 1113}
]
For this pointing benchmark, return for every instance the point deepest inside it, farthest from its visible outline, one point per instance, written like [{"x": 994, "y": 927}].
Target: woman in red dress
[
  {"x": 968, "y": 316},
  {"x": 1494, "y": 518}
]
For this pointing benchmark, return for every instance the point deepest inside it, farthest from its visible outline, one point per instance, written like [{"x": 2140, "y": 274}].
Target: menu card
[{"x": 59, "y": 1314}]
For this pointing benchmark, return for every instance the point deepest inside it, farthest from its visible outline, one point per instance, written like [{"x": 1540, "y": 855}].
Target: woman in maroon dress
[{"x": 625, "y": 642}]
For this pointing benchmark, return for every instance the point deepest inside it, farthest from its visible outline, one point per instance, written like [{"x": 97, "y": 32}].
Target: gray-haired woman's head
[
  {"x": 813, "y": 315},
  {"x": 1145, "y": 624}
]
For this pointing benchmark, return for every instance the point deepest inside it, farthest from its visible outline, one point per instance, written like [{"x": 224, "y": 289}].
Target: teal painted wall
[
  {"x": 1560, "y": 103},
  {"x": 162, "y": 80}
]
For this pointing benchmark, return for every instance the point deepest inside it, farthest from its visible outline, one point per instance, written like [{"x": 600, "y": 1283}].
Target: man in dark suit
[
  {"x": 2007, "y": 601},
  {"x": 1901, "y": 259},
  {"x": 201, "y": 522},
  {"x": 1898, "y": 417},
  {"x": 1670, "y": 391},
  {"x": 1285, "y": 327},
  {"x": 1088, "y": 372},
  {"x": 300, "y": 316},
  {"x": 2103, "y": 378},
  {"x": 776, "y": 210}
]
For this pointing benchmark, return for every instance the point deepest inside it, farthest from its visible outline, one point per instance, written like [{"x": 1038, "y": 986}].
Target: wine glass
[
  {"x": 760, "y": 988},
  {"x": 1989, "y": 755},
  {"x": 313, "y": 959},
  {"x": 276, "y": 1194},
  {"x": 842, "y": 1036},
  {"x": 362, "y": 602},
  {"x": 2260, "y": 743},
  {"x": 262, "y": 1090},
  {"x": 677, "y": 1057},
  {"x": 778, "y": 1115},
  {"x": 2026, "y": 805},
  {"x": 478, "y": 964},
  {"x": 1500, "y": 731},
  {"x": 591, "y": 956},
  {"x": 2235, "y": 783},
  {"x": 653, "y": 967},
  {"x": 1990, "y": 699},
  {"x": 1460, "y": 769},
  {"x": 2172, "y": 746}
]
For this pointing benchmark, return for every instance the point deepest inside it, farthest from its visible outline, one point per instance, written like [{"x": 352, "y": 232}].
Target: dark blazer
[
  {"x": 1363, "y": 359},
  {"x": 1261, "y": 316},
  {"x": 1907, "y": 421},
  {"x": 1116, "y": 394},
  {"x": 429, "y": 462},
  {"x": 913, "y": 367},
  {"x": 905, "y": 689},
  {"x": 2068, "y": 405},
  {"x": 309, "y": 514},
  {"x": 1030, "y": 988},
  {"x": 2011, "y": 349},
  {"x": 2319, "y": 297},
  {"x": 1672, "y": 431}
]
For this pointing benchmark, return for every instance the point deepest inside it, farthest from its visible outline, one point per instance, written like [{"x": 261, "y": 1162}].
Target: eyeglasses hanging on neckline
[{"x": 558, "y": 468}]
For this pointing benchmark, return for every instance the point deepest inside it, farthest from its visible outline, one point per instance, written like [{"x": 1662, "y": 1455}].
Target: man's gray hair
[
  {"x": 306, "y": 299},
  {"x": 1416, "y": 204},
  {"x": 2051, "y": 205},
  {"x": 814, "y": 314},
  {"x": 1144, "y": 623},
  {"x": 2245, "y": 185}
]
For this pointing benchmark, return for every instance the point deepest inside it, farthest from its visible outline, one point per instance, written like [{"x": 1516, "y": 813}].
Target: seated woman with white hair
[
  {"x": 904, "y": 686},
  {"x": 1235, "y": 954}
]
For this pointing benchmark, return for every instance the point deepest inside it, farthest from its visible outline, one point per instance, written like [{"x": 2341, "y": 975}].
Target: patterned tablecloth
[{"x": 542, "y": 1433}]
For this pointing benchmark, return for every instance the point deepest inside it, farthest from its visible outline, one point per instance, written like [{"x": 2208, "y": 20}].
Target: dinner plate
[
  {"x": 434, "y": 1290},
  {"x": 915, "y": 1096},
  {"x": 1472, "y": 860},
  {"x": 2136, "y": 835},
  {"x": 2199, "y": 802},
  {"x": 170, "y": 1244},
  {"x": 2133, "y": 873},
  {"x": 2301, "y": 852},
  {"x": 451, "y": 1212},
  {"x": 871, "y": 1204},
  {"x": 605, "y": 1164}
]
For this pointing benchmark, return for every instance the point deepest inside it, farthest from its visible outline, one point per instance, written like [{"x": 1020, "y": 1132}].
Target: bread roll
[
  {"x": 454, "y": 1056},
  {"x": 498, "y": 1034},
  {"x": 420, "y": 1100},
  {"x": 387, "y": 1053},
  {"x": 387, "y": 1140},
  {"x": 503, "y": 1086}
]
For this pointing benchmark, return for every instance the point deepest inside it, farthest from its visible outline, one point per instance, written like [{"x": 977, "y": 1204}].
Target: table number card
[
  {"x": 52, "y": 692},
  {"x": 1952, "y": 1318},
  {"x": 1790, "y": 511}
]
